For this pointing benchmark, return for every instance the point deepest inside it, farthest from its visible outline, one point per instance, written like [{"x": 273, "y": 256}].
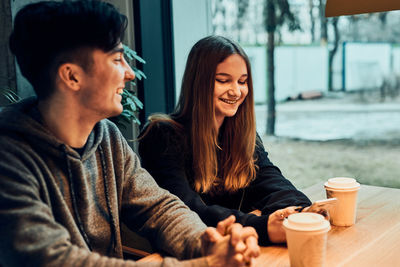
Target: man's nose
[{"x": 129, "y": 73}]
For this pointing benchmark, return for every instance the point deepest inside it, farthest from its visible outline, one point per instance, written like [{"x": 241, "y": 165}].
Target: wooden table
[{"x": 373, "y": 241}]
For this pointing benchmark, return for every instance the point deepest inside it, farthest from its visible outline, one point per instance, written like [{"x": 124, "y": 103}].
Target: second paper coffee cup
[{"x": 345, "y": 190}]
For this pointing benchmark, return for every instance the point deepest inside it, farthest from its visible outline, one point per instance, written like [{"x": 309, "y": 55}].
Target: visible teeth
[
  {"x": 228, "y": 101},
  {"x": 120, "y": 91}
]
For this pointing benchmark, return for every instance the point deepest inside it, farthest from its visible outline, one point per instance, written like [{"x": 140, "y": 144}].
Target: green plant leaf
[
  {"x": 140, "y": 74},
  {"x": 131, "y": 104},
  {"x": 131, "y": 54},
  {"x": 141, "y": 60},
  {"x": 137, "y": 102}
]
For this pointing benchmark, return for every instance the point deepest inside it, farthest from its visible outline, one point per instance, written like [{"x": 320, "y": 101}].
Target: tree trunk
[
  {"x": 241, "y": 16},
  {"x": 324, "y": 28},
  {"x": 312, "y": 21},
  {"x": 271, "y": 26},
  {"x": 219, "y": 8},
  {"x": 332, "y": 53}
]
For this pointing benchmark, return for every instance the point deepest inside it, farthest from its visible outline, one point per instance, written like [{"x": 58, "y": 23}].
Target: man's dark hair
[{"x": 48, "y": 34}]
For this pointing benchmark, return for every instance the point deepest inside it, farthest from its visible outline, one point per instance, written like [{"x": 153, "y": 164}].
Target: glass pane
[{"x": 337, "y": 86}]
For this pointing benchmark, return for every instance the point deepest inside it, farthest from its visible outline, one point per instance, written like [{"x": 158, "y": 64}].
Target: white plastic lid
[
  {"x": 306, "y": 221},
  {"x": 342, "y": 183}
]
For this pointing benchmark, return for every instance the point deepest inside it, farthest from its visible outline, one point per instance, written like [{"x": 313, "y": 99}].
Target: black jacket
[{"x": 166, "y": 153}]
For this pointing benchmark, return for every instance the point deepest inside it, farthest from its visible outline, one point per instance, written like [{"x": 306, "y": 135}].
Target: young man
[{"x": 67, "y": 176}]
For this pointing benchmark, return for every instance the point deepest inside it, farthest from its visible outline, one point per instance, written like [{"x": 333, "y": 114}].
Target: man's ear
[{"x": 71, "y": 75}]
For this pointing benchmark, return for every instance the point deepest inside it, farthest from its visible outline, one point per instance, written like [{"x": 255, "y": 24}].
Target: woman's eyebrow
[
  {"x": 223, "y": 74},
  {"x": 228, "y": 75}
]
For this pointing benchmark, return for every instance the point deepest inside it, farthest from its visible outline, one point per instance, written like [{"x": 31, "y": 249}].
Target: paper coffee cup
[
  {"x": 306, "y": 237},
  {"x": 345, "y": 190}
]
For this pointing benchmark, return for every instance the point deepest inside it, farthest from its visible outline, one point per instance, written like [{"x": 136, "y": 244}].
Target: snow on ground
[{"x": 333, "y": 118}]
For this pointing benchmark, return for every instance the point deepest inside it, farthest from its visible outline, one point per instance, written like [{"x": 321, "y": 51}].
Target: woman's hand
[
  {"x": 320, "y": 210},
  {"x": 276, "y": 232}
]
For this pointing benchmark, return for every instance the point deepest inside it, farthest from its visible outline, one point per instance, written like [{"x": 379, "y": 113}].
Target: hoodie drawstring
[
  {"x": 73, "y": 197},
  {"x": 106, "y": 191}
]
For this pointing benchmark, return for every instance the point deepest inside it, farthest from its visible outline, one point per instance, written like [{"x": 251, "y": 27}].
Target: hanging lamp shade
[{"x": 350, "y": 7}]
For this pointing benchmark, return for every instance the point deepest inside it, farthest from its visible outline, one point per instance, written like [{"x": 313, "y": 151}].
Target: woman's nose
[{"x": 235, "y": 91}]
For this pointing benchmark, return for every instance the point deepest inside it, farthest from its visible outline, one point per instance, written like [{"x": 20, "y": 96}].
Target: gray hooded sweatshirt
[{"x": 62, "y": 208}]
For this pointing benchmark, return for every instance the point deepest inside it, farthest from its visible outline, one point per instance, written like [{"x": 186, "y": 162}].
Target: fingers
[
  {"x": 222, "y": 226},
  {"x": 291, "y": 210},
  {"x": 240, "y": 260},
  {"x": 252, "y": 250},
  {"x": 235, "y": 230},
  {"x": 247, "y": 244},
  {"x": 239, "y": 246},
  {"x": 247, "y": 232},
  {"x": 323, "y": 211},
  {"x": 239, "y": 233},
  {"x": 284, "y": 213},
  {"x": 248, "y": 258},
  {"x": 212, "y": 235},
  {"x": 299, "y": 208},
  {"x": 250, "y": 263},
  {"x": 276, "y": 233},
  {"x": 279, "y": 215},
  {"x": 244, "y": 241},
  {"x": 209, "y": 239},
  {"x": 306, "y": 209}
]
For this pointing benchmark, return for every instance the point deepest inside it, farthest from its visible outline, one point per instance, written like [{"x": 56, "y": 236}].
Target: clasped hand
[{"x": 230, "y": 244}]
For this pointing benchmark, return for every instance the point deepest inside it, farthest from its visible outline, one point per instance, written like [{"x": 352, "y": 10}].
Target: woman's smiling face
[{"x": 230, "y": 88}]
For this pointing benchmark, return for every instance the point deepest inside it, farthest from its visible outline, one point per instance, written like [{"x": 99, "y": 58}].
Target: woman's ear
[{"x": 70, "y": 76}]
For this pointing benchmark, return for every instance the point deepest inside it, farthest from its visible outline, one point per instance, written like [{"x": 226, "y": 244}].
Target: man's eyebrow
[{"x": 117, "y": 50}]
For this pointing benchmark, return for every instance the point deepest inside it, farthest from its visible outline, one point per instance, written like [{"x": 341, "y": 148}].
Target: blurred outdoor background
[
  {"x": 326, "y": 90},
  {"x": 336, "y": 87}
]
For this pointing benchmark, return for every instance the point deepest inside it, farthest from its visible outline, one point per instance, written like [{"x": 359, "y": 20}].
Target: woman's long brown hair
[{"x": 237, "y": 137}]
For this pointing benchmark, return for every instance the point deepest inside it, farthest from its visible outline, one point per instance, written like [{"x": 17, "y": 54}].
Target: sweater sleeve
[
  {"x": 30, "y": 235},
  {"x": 163, "y": 154},
  {"x": 270, "y": 190},
  {"x": 159, "y": 215}
]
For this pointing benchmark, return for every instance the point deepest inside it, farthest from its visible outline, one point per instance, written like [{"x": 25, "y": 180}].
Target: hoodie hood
[{"x": 23, "y": 119}]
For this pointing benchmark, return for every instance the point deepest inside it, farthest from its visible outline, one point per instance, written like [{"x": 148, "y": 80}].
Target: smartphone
[{"x": 322, "y": 204}]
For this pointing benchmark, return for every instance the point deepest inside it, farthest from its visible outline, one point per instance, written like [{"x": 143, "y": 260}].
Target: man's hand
[
  {"x": 231, "y": 244},
  {"x": 276, "y": 232}
]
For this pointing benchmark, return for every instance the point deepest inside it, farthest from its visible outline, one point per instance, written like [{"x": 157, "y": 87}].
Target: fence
[{"x": 356, "y": 66}]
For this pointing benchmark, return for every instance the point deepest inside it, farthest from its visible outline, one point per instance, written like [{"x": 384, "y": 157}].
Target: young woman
[{"x": 207, "y": 152}]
